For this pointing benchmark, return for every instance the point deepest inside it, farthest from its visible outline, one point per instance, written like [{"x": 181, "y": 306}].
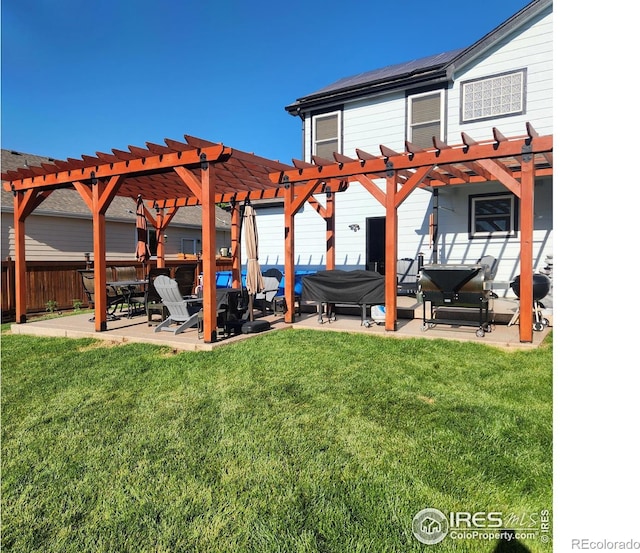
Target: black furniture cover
[{"x": 353, "y": 287}]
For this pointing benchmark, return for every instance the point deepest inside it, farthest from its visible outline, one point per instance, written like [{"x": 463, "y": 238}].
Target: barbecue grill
[
  {"x": 456, "y": 288},
  {"x": 541, "y": 287}
]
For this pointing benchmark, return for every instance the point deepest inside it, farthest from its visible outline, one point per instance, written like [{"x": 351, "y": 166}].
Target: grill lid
[{"x": 449, "y": 278}]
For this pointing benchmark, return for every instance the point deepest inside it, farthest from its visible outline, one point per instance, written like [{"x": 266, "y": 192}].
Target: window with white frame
[
  {"x": 326, "y": 134},
  {"x": 425, "y": 118},
  {"x": 492, "y": 215},
  {"x": 491, "y": 97}
]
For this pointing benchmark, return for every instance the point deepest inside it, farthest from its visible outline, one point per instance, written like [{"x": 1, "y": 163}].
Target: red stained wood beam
[
  {"x": 542, "y": 144},
  {"x": 76, "y": 170}
]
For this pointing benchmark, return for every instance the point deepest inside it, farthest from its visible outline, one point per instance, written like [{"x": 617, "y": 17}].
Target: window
[
  {"x": 425, "y": 116},
  {"x": 189, "y": 246},
  {"x": 492, "y": 97},
  {"x": 326, "y": 135},
  {"x": 492, "y": 215}
]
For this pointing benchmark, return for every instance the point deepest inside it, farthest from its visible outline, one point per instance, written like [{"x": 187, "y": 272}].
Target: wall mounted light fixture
[{"x": 354, "y": 228}]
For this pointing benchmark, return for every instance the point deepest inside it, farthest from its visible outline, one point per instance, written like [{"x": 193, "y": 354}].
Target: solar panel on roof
[{"x": 389, "y": 72}]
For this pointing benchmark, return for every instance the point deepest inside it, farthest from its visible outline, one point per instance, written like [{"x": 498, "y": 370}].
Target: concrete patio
[{"x": 135, "y": 329}]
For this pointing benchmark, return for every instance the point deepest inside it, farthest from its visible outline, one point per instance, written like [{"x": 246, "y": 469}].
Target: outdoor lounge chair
[
  {"x": 183, "y": 312},
  {"x": 152, "y": 301}
]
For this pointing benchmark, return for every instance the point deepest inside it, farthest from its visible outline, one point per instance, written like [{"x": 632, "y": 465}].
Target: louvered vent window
[
  {"x": 326, "y": 138},
  {"x": 424, "y": 119},
  {"x": 493, "y": 97}
]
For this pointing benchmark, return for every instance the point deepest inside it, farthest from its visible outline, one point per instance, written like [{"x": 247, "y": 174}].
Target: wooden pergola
[
  {"x": 514, "y": 162},
  {"x": 199, "y": 172},
  {"x": 169, "y": 176}
]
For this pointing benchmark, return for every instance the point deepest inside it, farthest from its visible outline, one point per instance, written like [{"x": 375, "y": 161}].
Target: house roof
[
  {"x": 68, "y": 203},
  {"x": 433, "y": 69}
]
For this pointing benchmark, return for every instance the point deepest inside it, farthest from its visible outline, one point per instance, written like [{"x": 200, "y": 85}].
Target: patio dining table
[{"x": 128, "y": 288}]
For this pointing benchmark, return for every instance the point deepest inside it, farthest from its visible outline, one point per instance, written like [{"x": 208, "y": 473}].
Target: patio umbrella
[
  {"x": 255, "y": 283},
  {"x": 142, "y": 249}
]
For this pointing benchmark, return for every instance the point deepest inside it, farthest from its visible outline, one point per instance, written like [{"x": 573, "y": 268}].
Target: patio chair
[
  {"x": 266, "y": 298},
  {"x": 134, "y": 295},
  {"x": 490, "y": 265},
  {"x": 114, "y": 298},
  {"x": 185, "y": 276},
  {"x": 183, "y": 312},
  {"x": 152, "y": 301},
  {"x": 407, "y": 275}
]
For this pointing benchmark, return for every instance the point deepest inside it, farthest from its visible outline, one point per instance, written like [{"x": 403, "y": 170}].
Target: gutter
[{"x": 434, "y": 77}]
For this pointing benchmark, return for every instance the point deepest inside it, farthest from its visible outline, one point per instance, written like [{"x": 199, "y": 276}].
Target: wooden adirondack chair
[{"x": 183, "y": 312}]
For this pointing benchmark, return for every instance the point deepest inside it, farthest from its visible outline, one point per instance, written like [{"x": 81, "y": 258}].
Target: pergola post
[
  {"x": 330, "y": 220},
  {"x": 159, "y": 226},
  {"x": 20, "y": 255},
  {"x": 526, "y": 246},
  {"x": 391, "y": 253},
  {"x": 289, "y": 253},
  {"x": 236, "y": 248},
  {"x": 209, "y": 269},
  {"x": 99, "y": 260}
]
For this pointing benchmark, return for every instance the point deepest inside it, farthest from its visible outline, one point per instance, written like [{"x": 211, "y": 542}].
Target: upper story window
[
  {"x": 326, "y": 134},
  {"x": 492, "y": 215},
  {"x": 425, "y": 119},
  {"x": 492, "y": 97}
]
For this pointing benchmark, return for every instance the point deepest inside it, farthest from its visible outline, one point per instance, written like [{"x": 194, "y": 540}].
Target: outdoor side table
[{"x": 156, "y": 308}]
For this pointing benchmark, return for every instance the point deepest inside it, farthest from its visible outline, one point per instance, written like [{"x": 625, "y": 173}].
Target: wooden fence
[{"x": 53, "y": 281}]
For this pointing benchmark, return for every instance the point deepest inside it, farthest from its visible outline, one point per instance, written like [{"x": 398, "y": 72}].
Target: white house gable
[{"x": 530, "y": 50}]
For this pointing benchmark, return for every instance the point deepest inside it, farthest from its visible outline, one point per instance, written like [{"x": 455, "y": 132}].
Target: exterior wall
[
  {"x": 454, "y": 245},
  {"x": 532, "y": 48}
]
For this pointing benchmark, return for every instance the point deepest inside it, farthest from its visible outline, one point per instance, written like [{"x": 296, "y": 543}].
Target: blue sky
[{"x": 80, "y": 77}]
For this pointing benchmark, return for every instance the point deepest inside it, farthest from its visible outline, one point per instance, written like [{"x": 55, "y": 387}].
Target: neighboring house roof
[
  {"x": 434, "y": 69},
  {"x": 68, "y": 203}
]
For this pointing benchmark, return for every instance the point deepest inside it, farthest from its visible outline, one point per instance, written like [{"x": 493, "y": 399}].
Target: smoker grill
[
  {"x": 456, "y": 288},
  {"x": 541, "y": 287}
]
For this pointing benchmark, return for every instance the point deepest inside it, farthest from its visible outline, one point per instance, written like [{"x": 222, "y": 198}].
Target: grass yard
[{"x": 292, "y": 441}]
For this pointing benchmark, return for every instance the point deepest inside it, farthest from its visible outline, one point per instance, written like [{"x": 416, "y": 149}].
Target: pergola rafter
[{"x": 390, "y": 178}]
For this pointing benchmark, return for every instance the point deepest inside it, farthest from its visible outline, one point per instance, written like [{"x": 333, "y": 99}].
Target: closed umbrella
[
  {"x": 255, "y": 283},
  {"x": 142, "y": 249}
]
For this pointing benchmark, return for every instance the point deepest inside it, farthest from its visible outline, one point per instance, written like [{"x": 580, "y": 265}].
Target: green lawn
[{"x": 291, "y": 441}]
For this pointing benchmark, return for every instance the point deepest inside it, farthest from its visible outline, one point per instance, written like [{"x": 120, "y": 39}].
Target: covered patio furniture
[
  {"x": 183, "y": 312},
  {"x": 328, "y": 288}
]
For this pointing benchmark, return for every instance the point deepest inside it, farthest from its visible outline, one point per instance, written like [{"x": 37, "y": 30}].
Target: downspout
[{"x": 434, "y": 253}]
